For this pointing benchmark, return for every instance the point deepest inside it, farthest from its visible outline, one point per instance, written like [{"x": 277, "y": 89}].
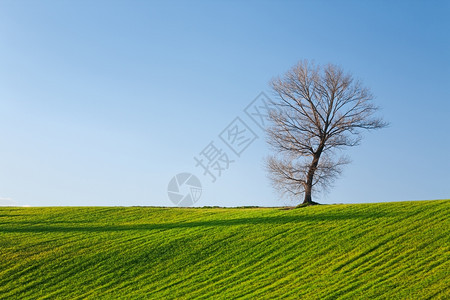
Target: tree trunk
[
  {"x": 310, "y": 176},
  {"x": 308, "y": 199}
]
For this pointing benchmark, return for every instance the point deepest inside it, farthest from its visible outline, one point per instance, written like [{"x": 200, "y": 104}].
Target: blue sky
[{"x": 103, "y": 102}]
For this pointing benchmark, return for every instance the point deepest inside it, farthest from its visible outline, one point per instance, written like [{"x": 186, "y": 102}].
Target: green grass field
[{"x": 360, "y": 251}]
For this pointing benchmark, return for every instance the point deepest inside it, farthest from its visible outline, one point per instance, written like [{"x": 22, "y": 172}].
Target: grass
[{"x": 359, "y": 251}]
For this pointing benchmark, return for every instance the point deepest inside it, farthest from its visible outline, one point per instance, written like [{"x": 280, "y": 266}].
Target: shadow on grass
[
  {"x": 10, "y": 215},
  {"x": 49, "y": 226}
]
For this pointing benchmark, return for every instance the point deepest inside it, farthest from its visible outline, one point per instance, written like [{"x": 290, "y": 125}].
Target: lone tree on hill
[{"x": 317, "y": 111}]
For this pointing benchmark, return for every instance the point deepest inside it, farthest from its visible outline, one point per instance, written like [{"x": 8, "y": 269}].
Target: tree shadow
[
  {"x": 50, "y": 226},
  {"x": 10, "y": 215}
]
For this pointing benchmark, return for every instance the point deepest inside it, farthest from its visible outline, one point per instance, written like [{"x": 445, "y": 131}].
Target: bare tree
[{"x": 318, "y": 110}]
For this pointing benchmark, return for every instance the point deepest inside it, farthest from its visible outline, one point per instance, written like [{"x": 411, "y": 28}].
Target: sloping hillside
[{"x": 384, "y": 250}]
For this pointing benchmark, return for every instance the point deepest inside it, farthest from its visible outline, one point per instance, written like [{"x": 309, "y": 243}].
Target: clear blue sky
[{"x": 103, "y": 102}]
